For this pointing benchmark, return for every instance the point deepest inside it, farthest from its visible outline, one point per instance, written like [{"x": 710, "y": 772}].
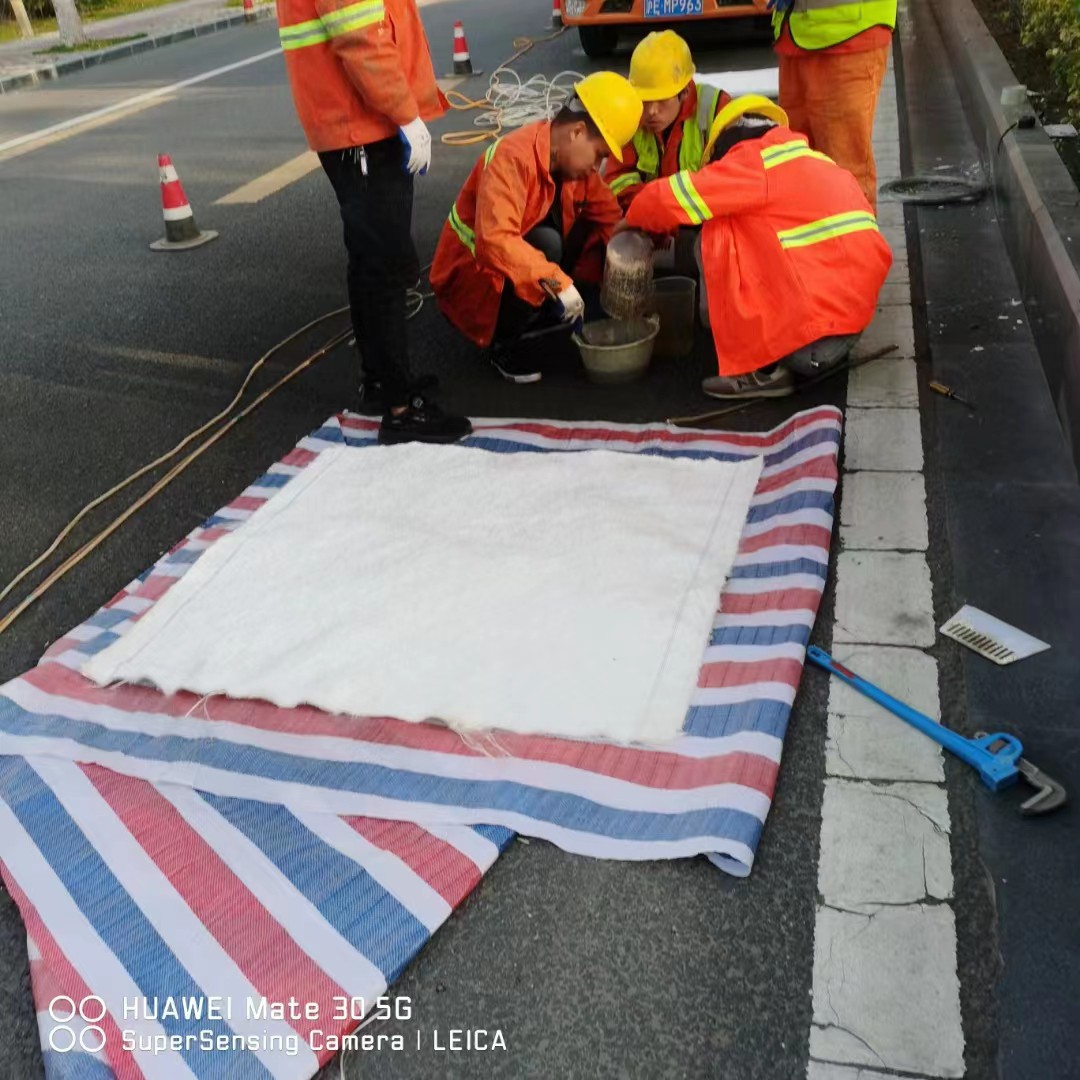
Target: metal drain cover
[{"x": 934, "y": 190}]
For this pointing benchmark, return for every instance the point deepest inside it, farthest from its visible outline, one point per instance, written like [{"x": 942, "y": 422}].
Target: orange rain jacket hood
[
  {"x": 790, "y": 249},
  {"x": 508, "y": 193}
]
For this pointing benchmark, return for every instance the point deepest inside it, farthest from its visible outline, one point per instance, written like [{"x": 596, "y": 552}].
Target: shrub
[{"x": 1053, "y": 26}]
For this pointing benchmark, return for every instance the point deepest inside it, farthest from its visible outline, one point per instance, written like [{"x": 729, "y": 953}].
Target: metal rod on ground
[{"x": 716, "y": 414}]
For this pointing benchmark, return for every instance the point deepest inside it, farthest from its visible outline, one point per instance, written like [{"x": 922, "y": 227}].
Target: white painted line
[
  {"x": 886, "y": 993},
  {"x": 865, "y": 740},
  {"x": 885, "y": 987},
  {"x": 90, "y": 125},
  {"x": 883, "y": 511},
  {"x": 128, "y": 103},
  {"x": 272, "y": 182}
]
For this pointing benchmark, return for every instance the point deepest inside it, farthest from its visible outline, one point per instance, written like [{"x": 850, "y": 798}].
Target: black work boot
[
  {"x": 372, "y": 399},
  {"x": 514, "y": 368},
  {"x": 422, "y": 421}
]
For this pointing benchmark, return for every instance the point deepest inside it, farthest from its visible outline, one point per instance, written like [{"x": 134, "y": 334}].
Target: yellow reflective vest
[{"x": 820, "y": 24}]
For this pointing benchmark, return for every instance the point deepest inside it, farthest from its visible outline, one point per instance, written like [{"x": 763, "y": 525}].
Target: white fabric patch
[{"x": 564, "y": 593}]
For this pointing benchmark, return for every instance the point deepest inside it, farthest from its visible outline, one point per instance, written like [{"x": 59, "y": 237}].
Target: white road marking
[
  {"x": 272, "y": 182},
  {"x": 886, "y": 995},
  {"x": 129, "y": 103},
  {"x": 90, "y": 125}
]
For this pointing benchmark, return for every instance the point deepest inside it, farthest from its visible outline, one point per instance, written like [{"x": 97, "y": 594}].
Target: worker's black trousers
[
  {"x": 517, "y": 316},
  {"x": 375, "y": 193}
]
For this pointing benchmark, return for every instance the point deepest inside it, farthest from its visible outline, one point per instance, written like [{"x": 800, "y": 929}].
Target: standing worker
[
  {"x": 677, "y": 116},
  {"x": 832, "y": 63},
  {"x": 791, "y": 256},
  {"x": 363, "y": 85},
  {"x": 532, "y": 224}
]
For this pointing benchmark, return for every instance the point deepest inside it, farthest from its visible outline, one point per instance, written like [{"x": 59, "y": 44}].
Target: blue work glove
[{"x": 780, "y": 5}]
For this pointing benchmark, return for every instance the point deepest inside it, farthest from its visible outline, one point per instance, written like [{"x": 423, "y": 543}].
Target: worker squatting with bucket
[{"x": 524, "y": 243}]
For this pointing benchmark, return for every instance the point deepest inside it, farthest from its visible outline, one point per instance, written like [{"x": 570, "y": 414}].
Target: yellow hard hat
[
  {"x": 613, "y": 107},
  {"x": 738, "y": 107},
  {"x": 660, "y": 66}
]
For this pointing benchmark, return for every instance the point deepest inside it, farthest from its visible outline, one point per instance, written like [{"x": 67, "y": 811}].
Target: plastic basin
[
  {"x": 617, "y": 350},
  {"x": 676, "y": 304}
]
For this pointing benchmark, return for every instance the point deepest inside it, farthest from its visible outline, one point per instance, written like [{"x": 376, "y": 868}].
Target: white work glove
[
  {"x": 573, "y": 307},
  {"x": 417, "y": 140}
]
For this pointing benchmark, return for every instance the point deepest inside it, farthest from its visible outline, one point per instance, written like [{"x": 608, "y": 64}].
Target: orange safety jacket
[
  {"x": 648, "y": 157},
  {"x": 358, "y": 71},
  {"x": 790, "y": 249},
  {"x": 482, "y": 246}
]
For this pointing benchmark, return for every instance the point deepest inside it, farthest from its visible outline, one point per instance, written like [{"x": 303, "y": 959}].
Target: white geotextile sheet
[
  {"x": 563, "y": 593},
  {"x": 764, "y": 81}
]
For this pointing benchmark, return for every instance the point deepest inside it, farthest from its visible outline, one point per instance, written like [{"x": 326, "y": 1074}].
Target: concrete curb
[
  {"x": 80, "y": 61},
  {"x": 1038, "y": 205}
]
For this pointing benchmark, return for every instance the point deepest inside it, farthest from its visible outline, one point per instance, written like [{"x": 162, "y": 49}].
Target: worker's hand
[
  {"x": 417, "y": 140},
  {"x": 571, "y": 304}
]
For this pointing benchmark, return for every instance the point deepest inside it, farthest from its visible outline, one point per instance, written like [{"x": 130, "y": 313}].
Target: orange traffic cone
[
  {"x": 462, "y": 61},
  {"x": 556, "y": 12},
  {"x": 249, "y": 11},
  {"x": 181, "y": 232}
]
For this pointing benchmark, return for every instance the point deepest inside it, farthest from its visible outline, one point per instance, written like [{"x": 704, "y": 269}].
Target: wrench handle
[{"x": 994, "y": 757}]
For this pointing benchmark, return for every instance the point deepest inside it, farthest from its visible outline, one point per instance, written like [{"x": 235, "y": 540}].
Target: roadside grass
[
  {"x": 90, "y": 46},
  {"x": 90, "y": 12}
]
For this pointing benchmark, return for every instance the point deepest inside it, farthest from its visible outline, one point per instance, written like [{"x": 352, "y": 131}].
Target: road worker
[
  {"x": 364, "y": 90},
  {"x": 676, "y": 119},
  {"x": 790, "y": 254},
  {"x": 832, "y": 64},
  {"x": 532, "y": 223}
]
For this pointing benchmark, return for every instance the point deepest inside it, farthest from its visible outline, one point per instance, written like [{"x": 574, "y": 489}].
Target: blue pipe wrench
[{"x": 996, "y": 758}]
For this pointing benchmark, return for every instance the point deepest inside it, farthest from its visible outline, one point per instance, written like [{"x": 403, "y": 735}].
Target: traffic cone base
[
  {"x": 181, "y": 232},
  {"x": 184, "y": 245},
  {"x": 556, "y": 13}
]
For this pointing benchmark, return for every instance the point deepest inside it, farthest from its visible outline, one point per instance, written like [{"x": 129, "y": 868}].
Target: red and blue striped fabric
[{"x": 183, "y": 847}]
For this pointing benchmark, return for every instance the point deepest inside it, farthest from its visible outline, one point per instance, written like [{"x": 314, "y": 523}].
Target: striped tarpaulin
[{"x": 177, "y": 846}]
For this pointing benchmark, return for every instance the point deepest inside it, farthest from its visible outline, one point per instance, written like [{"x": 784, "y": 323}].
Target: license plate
[{"x": 671, "y": 9}]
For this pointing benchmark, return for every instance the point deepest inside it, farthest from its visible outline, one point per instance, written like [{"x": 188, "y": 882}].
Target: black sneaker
[
  {"x": 514, "y": 369},
  {"x": 372, "y": 400},
  {"x": 423, "y": 421}
]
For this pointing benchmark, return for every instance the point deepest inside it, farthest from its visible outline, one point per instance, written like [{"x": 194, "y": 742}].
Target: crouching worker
[
  {"x": 675, "y": 123},
  {"x": 532, "y": 223},
  {"x": 790, "y": 253}
]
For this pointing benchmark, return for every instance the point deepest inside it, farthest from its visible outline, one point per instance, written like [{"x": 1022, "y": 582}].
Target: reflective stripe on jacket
[
  {"x": 644, "y": 159},
  {"x": 821, "y": 24},
  {"x": 790, "y": 249},
  {"x": 358, "y": 71},
  {"x": 482, "y": 245}
]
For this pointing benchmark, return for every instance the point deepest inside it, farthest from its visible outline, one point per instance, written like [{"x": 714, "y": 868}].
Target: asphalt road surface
[{"x": 110, "y": 353}]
